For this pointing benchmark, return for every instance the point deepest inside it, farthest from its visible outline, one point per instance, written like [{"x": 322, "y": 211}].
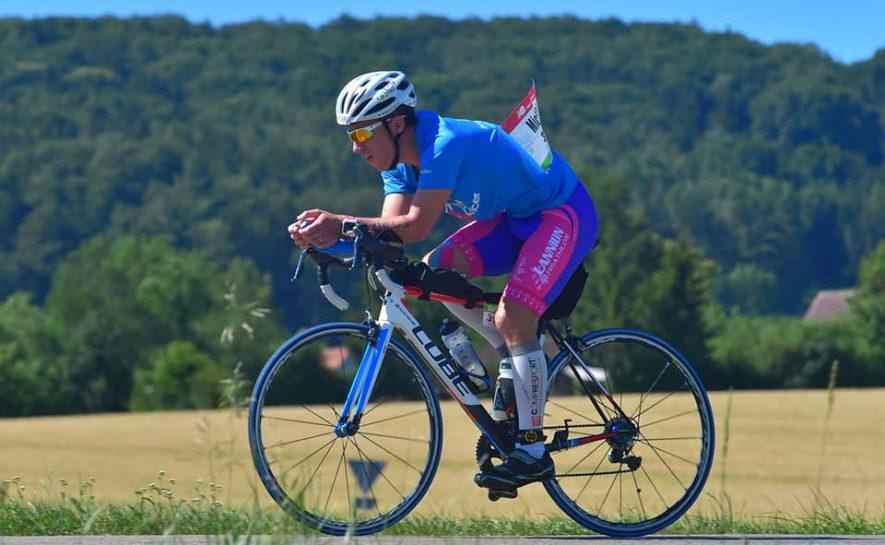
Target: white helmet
[{"x": 373, "y": 96}]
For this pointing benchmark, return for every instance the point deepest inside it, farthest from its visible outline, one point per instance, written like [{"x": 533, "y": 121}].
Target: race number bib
[{"x": 524, "y": 125}]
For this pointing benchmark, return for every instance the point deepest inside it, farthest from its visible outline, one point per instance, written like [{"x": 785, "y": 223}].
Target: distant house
[
  {"x": 336, "y": 357},
  {"x": 827, "y": 304}
]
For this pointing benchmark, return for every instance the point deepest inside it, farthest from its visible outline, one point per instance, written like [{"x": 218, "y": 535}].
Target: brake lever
[
  {"x": 299, "y": 266},
  {"x": 356, "y": 249}
]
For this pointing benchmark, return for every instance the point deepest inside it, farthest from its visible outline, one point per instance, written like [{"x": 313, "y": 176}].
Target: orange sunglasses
[{"x": 362, "y": 134}]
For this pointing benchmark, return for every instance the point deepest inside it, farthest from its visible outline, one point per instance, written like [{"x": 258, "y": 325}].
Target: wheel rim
[
  {"x": 362, "y": 482},
  {"x": 669, "y": 427}
]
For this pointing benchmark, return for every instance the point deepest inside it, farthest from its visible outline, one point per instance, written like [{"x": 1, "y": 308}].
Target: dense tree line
[{"x": 148, "y": 164}]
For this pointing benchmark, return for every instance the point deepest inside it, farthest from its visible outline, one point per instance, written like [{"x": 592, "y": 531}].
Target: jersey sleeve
[
  {"x": 399, "y": 180},
  {"x": 440, "y": 165}
]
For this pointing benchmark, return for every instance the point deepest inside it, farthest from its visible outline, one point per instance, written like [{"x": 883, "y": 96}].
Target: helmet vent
[
  {"x": 349, "y": 102},
  {"x": 359, "y": 108},
  {"x": 380, "y": 106}
]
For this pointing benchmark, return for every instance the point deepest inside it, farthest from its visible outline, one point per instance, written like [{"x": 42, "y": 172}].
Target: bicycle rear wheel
[
  {"x": 655, "y": 463},
  {"x": 360, "y": 483}
]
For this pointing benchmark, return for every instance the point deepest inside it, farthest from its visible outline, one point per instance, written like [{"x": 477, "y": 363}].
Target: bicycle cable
[{"x": 371, "y": 301}]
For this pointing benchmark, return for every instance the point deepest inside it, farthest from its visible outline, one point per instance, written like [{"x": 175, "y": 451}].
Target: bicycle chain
[
  {"x": 485, "y": 451},
  {"x": 594, "y": 474}
]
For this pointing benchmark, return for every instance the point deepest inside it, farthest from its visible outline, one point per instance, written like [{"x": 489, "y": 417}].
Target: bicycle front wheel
[
  {"x": 656, "y": 451},
  {"x": 359, "y": 483}
]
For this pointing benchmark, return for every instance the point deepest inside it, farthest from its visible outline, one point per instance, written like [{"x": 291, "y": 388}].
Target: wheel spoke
[
  {"x": 638, "y": 494},
  {"x": 332, "y": 486},
  {"x": 309, "y": 456},
  {"x": 335, "y": 411},
  {"x": 311, "y": 411},
  {"x": 645, "y": 441},
  {"x": 590, "y": 477},
  {"x": 598, "y": 445},
  {"x": 364, "y": 425},
  {"x": 397, "y": 456},
  {"x": 315, "y": 471},
  {"x": 366, "y": 462},
  {"x": 670, "y": 469},
  {"x": 564, "y": 408},
  {"x": 400, "y": 437},
  {"x": 649, "y": 424},
  {"x": 350, "y": 504},
  {"x": 650, "y": 388},
  {"x": 293, "y": 441},
  {"x": 607, "y": 492},
  {"x": 658, "y": 402},
  {"x": 653, "y": 485},
  {"x": 378, "y": 469},
  {"x": 297, "y": 421}
]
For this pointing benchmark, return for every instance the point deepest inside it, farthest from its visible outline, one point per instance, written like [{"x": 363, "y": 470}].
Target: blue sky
[{"x": 849, "y": 30}]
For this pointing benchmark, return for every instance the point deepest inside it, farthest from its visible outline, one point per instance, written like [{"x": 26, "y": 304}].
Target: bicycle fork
[{"x": 364, "y": 381}]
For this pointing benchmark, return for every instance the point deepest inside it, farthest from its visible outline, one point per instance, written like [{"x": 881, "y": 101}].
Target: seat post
[{"x": 543, "y": 325}]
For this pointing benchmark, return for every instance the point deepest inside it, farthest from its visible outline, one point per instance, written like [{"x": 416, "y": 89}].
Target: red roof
[{"x": 828, "y": 303}]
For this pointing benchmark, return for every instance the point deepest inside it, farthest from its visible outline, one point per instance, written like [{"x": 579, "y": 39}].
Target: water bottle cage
[{"x": 472, "y": 379}]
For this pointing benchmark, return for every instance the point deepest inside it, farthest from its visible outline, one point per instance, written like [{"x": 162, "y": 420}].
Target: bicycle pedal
[{"x": 507, "y": 493}]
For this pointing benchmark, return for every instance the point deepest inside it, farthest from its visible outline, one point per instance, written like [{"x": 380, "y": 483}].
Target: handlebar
[
  {"x": 357, "y": 247},
  {"x": 386, "y": 260}
]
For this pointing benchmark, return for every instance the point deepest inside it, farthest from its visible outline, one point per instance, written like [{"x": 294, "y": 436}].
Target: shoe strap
[{"x": 527, "y": 437}]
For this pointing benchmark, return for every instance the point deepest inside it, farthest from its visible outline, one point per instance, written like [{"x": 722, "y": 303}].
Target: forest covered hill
[{"x": 756, "y": 170}]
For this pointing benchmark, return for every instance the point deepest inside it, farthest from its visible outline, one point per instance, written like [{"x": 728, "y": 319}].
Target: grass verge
[{"x": 82, "y": 515}]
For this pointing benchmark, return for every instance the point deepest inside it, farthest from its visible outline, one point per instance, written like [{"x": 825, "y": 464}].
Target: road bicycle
[{"x": 629, "y": 424}]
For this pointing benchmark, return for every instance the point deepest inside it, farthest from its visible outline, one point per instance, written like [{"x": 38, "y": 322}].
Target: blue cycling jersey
[{"x": 487, "y": 171}]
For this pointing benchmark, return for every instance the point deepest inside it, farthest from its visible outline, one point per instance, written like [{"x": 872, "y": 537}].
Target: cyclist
[{"x": 536, "y": 224}]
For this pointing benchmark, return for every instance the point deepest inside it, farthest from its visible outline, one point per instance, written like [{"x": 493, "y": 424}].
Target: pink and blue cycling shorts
[{"x": 542, "y": 251}]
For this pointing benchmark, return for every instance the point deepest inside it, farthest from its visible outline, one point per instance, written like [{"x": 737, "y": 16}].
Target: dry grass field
[{"x": 774, "y": 456}]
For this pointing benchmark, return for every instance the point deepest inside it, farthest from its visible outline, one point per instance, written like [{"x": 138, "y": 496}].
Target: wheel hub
[
  {"x": 625, "y": 436},
  {"x": 347, "y": 429}
]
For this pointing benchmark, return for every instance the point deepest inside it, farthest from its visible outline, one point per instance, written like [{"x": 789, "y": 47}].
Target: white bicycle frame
[{"x": 394, "y": 315}]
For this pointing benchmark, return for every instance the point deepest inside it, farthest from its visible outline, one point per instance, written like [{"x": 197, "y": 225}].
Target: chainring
[{"x": 485, "y": 452}]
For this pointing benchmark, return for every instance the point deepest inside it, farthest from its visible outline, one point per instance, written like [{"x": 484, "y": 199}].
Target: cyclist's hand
[
  {"x": 295, "y": 234},
  {"x": 324, "y": 227}
]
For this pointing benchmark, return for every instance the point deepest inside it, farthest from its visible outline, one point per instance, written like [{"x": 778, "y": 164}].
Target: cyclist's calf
[{"x": 516, "y": 322}]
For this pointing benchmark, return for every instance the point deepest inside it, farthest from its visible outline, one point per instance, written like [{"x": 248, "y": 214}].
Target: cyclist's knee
[{"x": 448, "y": 257}]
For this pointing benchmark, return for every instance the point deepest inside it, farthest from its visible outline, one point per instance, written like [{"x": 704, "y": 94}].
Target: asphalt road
[{"x": 426, "y": 540}]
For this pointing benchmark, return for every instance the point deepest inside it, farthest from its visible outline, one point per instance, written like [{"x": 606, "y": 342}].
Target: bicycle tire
[
  {"x": 634, "y": 523},
  {"x": 324, "y": 520}
]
